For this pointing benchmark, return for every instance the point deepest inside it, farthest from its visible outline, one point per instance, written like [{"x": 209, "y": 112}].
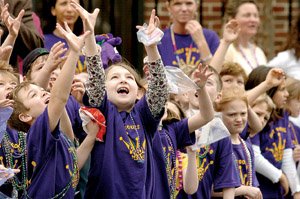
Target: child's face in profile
[
  {"x": 262, "y": 112},
  {"x": 280, "y": 96},
  {"x": 7, "y": 84},
  {"x": 234, "y": 116},
  {"x": 230, "y": 80},
  {"x": 293, "y": 105},
  {"x": 122, "y": 89}
]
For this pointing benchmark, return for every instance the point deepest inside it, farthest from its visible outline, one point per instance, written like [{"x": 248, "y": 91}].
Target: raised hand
[
  {"x": 75, "y": 42},
  {"x": 275, "y": 77},
  {"x": 6, "y": 103},
  {"x": 201, "y": 75},
  {"x": 231, "y": 31},
  {"x": 13, "y": 25},
  {"x": 194, "y": 28},
  {"x": 78, "y": 90},
  {"x": 55, "y": 57},
  {"x": 89, "y": 19}
]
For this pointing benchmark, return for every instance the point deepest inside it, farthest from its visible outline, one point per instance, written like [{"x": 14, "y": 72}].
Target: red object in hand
[{"x": 99, "y": 118}]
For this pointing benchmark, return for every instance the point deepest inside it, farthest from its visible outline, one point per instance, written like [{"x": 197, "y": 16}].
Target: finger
[
  {"x": 68, "y": 29},
  {"x": 152, "y": 16},
  {"x": 139, "y": 27},
  {"x": 60, "y": 29},
  {"x": 20, "y": 15},
  {"x": 156, "y": 21},
  {"x": 87, "y": 33},
  {"x": 16, "y": 170},
  {"x": 96, "y": 12}
]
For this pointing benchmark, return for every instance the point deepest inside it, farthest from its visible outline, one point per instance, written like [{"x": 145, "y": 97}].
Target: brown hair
[
  {"x": 233, "y": 6},
  {"x": 7, "y": 71},
  {"x": 18, "y": 108},
  {"x": 234, "y": 69},
  {"x": 172, "y": 116},
  {"x": 264, "y": 98},
  {"x": 129, "y": 67},
  {"x": 230, "y": 94}
]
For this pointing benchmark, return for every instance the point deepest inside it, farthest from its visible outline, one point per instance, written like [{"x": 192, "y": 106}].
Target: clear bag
[
  {"x": 5, "y": 114},
  {"x": 178, "y": 81},
  {"x": 212, "y": 132},
  {"x": 153, "y": 38}
]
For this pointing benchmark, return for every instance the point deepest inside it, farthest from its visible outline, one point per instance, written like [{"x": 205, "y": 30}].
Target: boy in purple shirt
[{"x": 52, "y": 162}]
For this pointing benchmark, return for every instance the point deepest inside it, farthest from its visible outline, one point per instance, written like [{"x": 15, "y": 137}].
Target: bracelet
[{"x": 208, "y": 57}]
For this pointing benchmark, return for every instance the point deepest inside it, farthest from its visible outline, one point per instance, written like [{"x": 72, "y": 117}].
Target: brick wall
[{"x": 275, "y": 21}]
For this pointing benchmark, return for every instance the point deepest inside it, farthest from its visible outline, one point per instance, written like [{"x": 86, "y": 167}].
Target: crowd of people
[{"x": 72, "y": 128}]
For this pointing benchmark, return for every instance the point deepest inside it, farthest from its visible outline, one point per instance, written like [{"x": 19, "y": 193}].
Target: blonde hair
[
  {"x": 264, "y": 98},
  {"x": 293, "y": 88},
  {"x": 229, "y": 95},
  {"x": 7, "y": 70}
]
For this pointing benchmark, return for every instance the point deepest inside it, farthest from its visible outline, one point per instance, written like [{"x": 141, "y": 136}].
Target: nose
[
  {"x": 183, "y": 6},
  {"x": 238, "y": 118}
]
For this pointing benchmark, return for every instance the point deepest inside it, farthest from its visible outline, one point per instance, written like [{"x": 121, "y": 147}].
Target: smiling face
[
  {"x": 234, "y": 115},
  {"x": 35, "y": 99},
  {"x": 182, "y": 11},
  {"x": 248, "y": 18},
  {"x": 122, "y": 89},
  {"x": 64, "y": 12}
]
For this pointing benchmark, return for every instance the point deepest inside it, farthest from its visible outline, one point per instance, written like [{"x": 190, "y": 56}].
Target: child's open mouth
[{"x": 123, "y": 90}]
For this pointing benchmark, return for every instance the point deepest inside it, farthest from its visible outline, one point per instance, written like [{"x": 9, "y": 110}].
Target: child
[
  {"x": 274, "y": 141},
  {"x": 50, "y": 154},
  {"x": 214, "y": 164},
  {"x": 174, "y": 133},
  {"x": 232, "y": 74},
  {"x": 233, "y": 105},
  {"x": 12, "y": 142},
  {"x": 122, "y": 166}
]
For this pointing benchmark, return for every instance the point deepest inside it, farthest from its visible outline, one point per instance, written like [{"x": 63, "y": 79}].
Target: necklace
[
  {"x": 248, "y": 162},
  {"x": 175, "y": 49},
  {"x": 13, "y": 151},
  {"x": 180, "y": 172},
  {"x": 75, "y": 174},
  {"x": 135, "y": 146},
  {"x": 170, "y": 162},
  {"x": 252, "y": 49},
  {"x": 201, "y": 170}
]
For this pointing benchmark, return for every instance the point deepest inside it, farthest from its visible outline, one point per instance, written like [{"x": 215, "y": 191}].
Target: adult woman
[
  {"x": 60, "y": 11},
  {"x": 185, "y": 42},
  {"x": 244, "y": 51}
]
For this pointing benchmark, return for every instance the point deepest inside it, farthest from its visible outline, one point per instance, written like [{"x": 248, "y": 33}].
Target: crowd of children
[{"x": 154, "y": 144}]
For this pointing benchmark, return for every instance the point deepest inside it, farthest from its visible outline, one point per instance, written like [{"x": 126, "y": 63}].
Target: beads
[{"x": 249, "y": 160}]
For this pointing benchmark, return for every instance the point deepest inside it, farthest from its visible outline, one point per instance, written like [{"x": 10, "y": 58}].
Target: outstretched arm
[
  {"x": 230, "y": 34},
  {"x": 274, "y": 78},
  {"x": 62, "y": 86},
  {"x": 206, "y": 112},
  {"x": 157, "y": 92},
  {"x": 53, "y": 61},
  {"x": 13, "y": 26},
  {"x": 95, "y": 85}
]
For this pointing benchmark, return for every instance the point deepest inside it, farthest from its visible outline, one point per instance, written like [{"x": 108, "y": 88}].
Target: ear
[
  {"x": 24, "y": 117},
  {"x": 53, "y": 12},
  {"x": 167, "y": 4}
]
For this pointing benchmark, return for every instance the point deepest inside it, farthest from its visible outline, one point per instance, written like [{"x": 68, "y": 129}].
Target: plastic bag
[
  {"x": 178, "y": 81},
  {"x": 153, "y": 38},
  {"x": 5, "y": 114},
  {"x": 212, "y": 132}
]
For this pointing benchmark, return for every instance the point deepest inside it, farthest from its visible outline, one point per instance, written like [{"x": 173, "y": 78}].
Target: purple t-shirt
[
  {"x": 242, "y": 164},
  {"x": 50, "y": 161},
  {"x": 166, "y": 141},
  {"x": 295, "y": 133},
  {"x": 123, "y": 165},
  {"x": 187, "y": 50},
  {"x": 18, "y": 151},
  {"x": 272, "y": 140},
  {"x": 51, "y": 39},
  {"x": 216, "y": 168}
]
